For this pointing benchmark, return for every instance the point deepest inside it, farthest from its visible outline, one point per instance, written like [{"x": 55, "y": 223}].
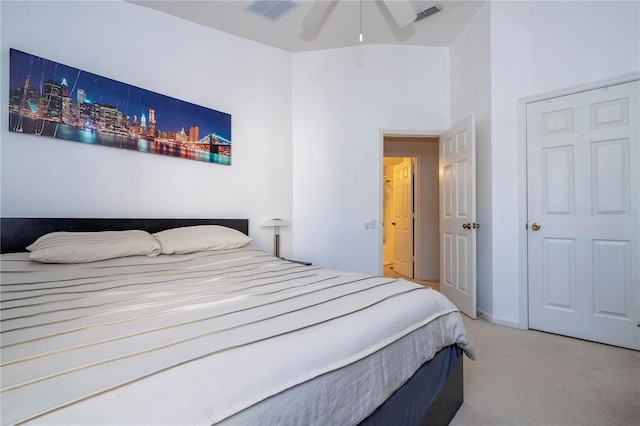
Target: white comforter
[{"x": 201, "y": 338}]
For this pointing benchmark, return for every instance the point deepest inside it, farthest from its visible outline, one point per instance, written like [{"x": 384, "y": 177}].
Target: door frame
[
  {"x": 416, "y": 198},
  {"x": 522, "y": 176}
]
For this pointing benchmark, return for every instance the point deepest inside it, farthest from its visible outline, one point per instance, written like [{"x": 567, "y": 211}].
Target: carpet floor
[{"x": 526, "y": 377}]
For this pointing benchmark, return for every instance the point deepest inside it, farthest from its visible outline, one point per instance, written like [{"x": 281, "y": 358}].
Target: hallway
[{"x": 389, "y": 272}]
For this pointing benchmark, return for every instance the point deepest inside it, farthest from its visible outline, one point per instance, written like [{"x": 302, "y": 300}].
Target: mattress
[{"x": 211, "y": 337}]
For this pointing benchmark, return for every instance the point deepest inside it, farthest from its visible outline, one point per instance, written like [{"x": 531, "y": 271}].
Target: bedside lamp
[{"x": 276, "y": 224}]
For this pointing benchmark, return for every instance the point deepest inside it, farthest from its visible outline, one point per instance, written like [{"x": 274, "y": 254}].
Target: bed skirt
[{"x": 431, "y": 396}]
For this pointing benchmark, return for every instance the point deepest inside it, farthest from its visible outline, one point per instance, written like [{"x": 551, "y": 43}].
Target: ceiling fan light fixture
[
  {"x": 427, "y": 12},
  {"x": 361, "y": 21}
]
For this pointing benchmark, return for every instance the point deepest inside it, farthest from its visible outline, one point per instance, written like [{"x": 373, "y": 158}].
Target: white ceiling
[{"x": 340, "y": 26}]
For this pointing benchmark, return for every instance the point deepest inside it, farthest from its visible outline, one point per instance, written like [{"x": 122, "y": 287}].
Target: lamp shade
[{"x": 276, "y": 222}]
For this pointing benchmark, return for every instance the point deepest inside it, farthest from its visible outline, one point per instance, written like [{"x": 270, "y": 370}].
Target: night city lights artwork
[{"x": 47, "y": 98}]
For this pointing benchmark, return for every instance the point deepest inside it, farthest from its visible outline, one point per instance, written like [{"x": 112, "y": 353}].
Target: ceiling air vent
[
  {"x": 271, "y": 9},
  {"x": 426, "y": 13}
]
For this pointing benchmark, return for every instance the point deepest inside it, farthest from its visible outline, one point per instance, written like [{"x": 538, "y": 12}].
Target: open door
[
  {"x": 458, "y": 227},
  {"x": 404, "y": 213}
]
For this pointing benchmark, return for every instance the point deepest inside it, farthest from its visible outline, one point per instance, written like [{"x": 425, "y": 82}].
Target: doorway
[{"x": 423, "y": 151}]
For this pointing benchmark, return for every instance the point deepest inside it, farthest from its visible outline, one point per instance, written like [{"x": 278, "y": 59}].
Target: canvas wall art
[{"x": 50, "y": 99}]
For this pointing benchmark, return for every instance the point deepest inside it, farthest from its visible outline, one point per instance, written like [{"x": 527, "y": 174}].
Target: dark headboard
[{"x": 17, "y": 233}]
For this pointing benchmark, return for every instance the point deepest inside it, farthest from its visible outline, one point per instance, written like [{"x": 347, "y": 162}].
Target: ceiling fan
[{"x": 401, "y": 10}]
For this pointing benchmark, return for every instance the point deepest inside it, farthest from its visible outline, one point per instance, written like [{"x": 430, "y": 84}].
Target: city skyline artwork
[{"x": 47, "y": 98}]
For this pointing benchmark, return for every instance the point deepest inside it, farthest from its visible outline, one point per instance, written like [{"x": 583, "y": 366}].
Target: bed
[{"x": 226, "y": 334}]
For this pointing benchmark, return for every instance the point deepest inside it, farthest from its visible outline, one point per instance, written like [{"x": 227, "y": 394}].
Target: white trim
[
  {"x": 522, "y": 179},
  {"x": 507, "y": 322},
  {"x": 585, "y": 87},
  {"x": 417, "y": 133},
  {"x": 523, "y": 271},
  {"x": 380, "y": 177},
  {"x": 486, "y": 315}
]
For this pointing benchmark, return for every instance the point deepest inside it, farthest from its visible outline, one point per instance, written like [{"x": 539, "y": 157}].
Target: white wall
[
  {"x": 47, "y": 177},
  {"x": 343, "y": 100},
  {"x": 311, "y": 150},
  {"x": 470, "y": 71},
  {"x": 537, "y": 47},
  {"x": 512, "y": 50}
]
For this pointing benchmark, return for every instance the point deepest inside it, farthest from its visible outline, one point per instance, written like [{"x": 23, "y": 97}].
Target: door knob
[
  {"x": 535, "y": 226},
  {"x": 466, "y": 225}
]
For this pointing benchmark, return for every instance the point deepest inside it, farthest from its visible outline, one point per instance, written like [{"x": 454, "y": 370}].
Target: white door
[
  {"x": 403, "y": 209},
  {"x": 583, "y": 221},
  {"x": 458, "y": 225}
]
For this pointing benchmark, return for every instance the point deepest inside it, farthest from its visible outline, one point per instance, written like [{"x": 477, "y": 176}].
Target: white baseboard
[
  {"x": 486, "y": 315},
  {"x": 507, "y": 322}
]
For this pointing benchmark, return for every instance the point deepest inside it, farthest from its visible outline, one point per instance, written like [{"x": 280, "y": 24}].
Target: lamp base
[{"x": 276, "y": 245}]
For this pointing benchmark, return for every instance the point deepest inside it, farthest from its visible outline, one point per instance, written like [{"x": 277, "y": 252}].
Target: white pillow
[
  {"x": 82, "y": 247},
  {"x": 190, "y": 239}
]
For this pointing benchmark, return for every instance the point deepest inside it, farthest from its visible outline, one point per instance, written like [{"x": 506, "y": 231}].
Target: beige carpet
[{"x": 526, "y": 377}]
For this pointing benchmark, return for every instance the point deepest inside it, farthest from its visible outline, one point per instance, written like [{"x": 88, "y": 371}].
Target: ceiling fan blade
[
  {"x": 314, "y": 14},
  {"x": 402, "y": 11}
]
